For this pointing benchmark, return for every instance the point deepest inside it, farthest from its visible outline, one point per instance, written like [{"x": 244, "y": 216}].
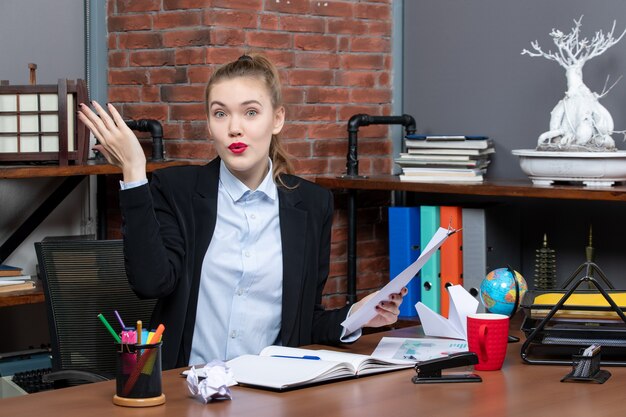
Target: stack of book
[
  {"x": 12, "y": 279},
  {"x": 445, "y": 158}
]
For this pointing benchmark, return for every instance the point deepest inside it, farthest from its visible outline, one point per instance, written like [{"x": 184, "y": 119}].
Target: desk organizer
[
  {"x": 558, "y": 323},
  {"x": 587, "y": 369}
]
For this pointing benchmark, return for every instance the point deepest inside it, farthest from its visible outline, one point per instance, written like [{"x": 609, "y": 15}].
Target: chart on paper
[{"x": 417, "y": 349}]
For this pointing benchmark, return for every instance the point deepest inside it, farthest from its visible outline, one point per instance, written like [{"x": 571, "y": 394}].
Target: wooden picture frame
[{"x": 38, "y": 123}]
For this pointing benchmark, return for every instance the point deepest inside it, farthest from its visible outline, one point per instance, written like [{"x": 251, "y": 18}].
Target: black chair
[{"x": 81, "y": 279}]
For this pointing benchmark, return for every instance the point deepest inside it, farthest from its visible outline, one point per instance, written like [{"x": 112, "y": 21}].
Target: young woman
[{"x": 237, "y": 251}]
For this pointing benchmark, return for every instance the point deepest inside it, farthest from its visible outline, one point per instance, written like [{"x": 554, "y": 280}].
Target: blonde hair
[{"x": 258, "y": 66}]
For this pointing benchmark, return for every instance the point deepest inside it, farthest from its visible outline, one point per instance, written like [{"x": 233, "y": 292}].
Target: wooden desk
[{"x": 518, "y": 390}]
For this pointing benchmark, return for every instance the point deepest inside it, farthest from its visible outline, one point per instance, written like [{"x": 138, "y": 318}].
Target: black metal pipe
[
  {"x": 358, "y": 120},
  {"x": 156, "y": 131},
  {"x": 352, "y": 166}
]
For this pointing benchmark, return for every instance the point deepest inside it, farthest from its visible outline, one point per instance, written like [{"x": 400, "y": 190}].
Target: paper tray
[{"x": 585, "y": 318}]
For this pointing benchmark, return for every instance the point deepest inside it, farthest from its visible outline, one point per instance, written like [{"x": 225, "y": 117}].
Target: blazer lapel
[{"x": 293, "y": 227}]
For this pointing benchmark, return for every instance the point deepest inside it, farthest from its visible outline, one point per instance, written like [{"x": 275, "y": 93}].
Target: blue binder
[
  {"x": 430, "y": 280},
  {"x": 404, "y": 249}
]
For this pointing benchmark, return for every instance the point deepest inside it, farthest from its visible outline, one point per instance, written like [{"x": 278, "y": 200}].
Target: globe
[{"x": 497, "y": 290}]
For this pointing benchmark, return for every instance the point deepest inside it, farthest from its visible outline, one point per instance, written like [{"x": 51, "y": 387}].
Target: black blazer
[{"x": 167, "y": 227}]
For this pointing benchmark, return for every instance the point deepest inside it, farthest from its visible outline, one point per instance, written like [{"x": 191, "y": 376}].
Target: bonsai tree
[{"x": 578, "y": 122}]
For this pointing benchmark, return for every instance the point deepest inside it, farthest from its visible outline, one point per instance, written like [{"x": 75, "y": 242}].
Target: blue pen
[{"x": 313, "y": 358}]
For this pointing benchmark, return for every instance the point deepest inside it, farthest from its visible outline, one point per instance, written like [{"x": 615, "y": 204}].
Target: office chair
[{"x": 81, "y": 279}]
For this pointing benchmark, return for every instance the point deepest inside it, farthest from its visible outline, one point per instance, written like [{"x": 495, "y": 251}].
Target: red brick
[
  {"x": 216, "y": 55},
  {"x": 145, "y": 111},
  {"x": 227, "y": 37},
  {"x": 199, "y": 74},
  {"x": 118, "y": 59},
  {"x": 293, "y": 130},
  {"x": 185, "y": 56},
  {"x": 332, "y": 8},
  {"x": 356, "y": 78},
  {"x": 129, "y": 22},
  {"x": 310, "y": 77},
  {"x": 384, "y": 79},
  {"x": 362, "y": 61},
  {"x": 328, "y": 131},
  {"x": 124, "y": 94},
  {"x": 302, "y": 24},
  {"x": 168, "y": 75},
  {"x": 171, "y": 131},
  {"x": 315, "y": 60},
  {"x": 196, "y": 37},
  {"x": 177, "y": 20},
  {"x": 338, "y": 251},
  {"x": 346, "y": 112},
  {"x": 378, "y": 28},
  {"x": 312, "y": 113},
  {"x": 185, "y": 4},
  {"x": 150, "y": 93},
  {"x": 382, "y": 166},
  {"x": 310, "y": 166},
  {"x": 202, "y": 150},
  {"x": 330, "y": 147},
  {"x": 334, "y": 301},
  {"x": 268, "y": 22},
  {"x": 372, "y": 280},
  {"x": 230, "y": 18},
  {"x": 372, "y": 11},
  {"x": 281, "y": 58},
  {"x": 112, "y": 41},
  {"x": 138, "y": 76},
  {"x": 344, "y": 44},
  {"x": 140, "y": 40},
  {"x": 152, "y": 58},
  {"x": 239, "y": 4},
  {"x": 299, "y": 149},
  {"x": 336, "y": 284},
  {"x": 374, "y": 131},
  {"x": 308, "y": 42},
  {"x": 195, "y": 131},
  {"x": 370, "y": 44},
  {"x": 127, "y": 6},
  {"x": 194, "y": 112},
  {"x": 327, "y": 95},
  {"x": 291, "y": 7},
  {"x": 348, "y": 27},
  {"x": 260, "y": 39},
  {"x": 293, "y": 95},
  {"x": 370, "y": 95},
  {"x": 183, "y": 93}
]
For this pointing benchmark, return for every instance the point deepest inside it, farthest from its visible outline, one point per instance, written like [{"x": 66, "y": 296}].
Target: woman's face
[{"x": 242, "y": 121}]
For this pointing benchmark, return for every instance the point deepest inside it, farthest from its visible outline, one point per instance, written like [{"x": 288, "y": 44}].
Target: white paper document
[
  {"x": 462, "y": 303},
  {"x": 368, "y": 311},
  {"x": 417, "y": 349}
]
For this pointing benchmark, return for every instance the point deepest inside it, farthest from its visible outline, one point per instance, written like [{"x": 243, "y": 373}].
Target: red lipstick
[{"x": 237, "y": 147}]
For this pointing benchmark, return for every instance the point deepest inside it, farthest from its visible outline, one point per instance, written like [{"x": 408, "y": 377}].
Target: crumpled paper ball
[{"x": 211, "y": 382}]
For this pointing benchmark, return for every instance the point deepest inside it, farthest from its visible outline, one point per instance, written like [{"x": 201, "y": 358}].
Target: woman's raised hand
[{"x": 117, "y": 142}]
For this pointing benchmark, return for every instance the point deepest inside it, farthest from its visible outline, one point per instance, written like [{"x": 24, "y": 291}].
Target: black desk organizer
[
  {"x": 587, "y": 369},
  {"x": 556, "y": 342}
]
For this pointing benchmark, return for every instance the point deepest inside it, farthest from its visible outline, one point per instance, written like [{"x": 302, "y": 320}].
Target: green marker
[{"x": 109, "y": 328}]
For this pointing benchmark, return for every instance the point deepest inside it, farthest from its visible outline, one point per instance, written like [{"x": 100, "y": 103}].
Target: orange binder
[{"x": 451, "y": 254}]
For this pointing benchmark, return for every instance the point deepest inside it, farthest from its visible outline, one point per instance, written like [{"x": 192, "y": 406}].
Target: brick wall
[{"x": 334, "y": 59}]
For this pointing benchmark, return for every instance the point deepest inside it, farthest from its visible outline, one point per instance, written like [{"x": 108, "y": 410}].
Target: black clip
[{"x": 429, "y": 372}]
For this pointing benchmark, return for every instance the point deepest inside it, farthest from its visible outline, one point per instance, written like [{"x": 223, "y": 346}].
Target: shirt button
[
  {"x": 247, "y": 254},
  {"x": 233, "y": 334},
  {"x": 239, "y": 291},
  {"x": 253, "y": 216}
]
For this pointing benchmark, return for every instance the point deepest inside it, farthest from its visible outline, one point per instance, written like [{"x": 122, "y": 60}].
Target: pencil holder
[
  {"x": 587, "y": 369},
  {"x": 138, "y": 375}
]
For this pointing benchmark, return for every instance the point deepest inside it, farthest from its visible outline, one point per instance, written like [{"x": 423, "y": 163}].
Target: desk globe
[{"x": 497, "y": 291}]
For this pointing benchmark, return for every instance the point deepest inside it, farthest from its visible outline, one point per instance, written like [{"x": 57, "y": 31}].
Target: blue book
[
  {"x": 430, "y": 280},
  {"x": 404, "y": 249}
]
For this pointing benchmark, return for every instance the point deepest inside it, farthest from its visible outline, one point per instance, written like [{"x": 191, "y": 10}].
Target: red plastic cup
[{"x": 487, "y": 337}]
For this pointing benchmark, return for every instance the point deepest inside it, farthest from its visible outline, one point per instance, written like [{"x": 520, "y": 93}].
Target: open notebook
[{"x": 280, "y": 367}]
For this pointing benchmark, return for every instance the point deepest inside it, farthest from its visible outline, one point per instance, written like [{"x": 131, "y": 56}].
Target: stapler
[{"x": 429, "y": 372}]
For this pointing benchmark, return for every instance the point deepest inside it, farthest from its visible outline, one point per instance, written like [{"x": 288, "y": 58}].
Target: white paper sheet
[
  {"x": 462, "y": 303},
  {"x": 417, "y": 349},
  {"x": 368, "y": 311}
]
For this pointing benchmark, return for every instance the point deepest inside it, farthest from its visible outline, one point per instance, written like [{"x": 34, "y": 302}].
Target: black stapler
[{"x": 429, "y": 372}]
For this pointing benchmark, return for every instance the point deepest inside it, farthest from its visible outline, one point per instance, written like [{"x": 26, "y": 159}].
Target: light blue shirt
[{"x": 240, "y": 296}]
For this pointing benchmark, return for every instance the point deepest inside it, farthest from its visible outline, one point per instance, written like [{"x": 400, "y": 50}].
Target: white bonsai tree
[{"x": 578, "y": 122}]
